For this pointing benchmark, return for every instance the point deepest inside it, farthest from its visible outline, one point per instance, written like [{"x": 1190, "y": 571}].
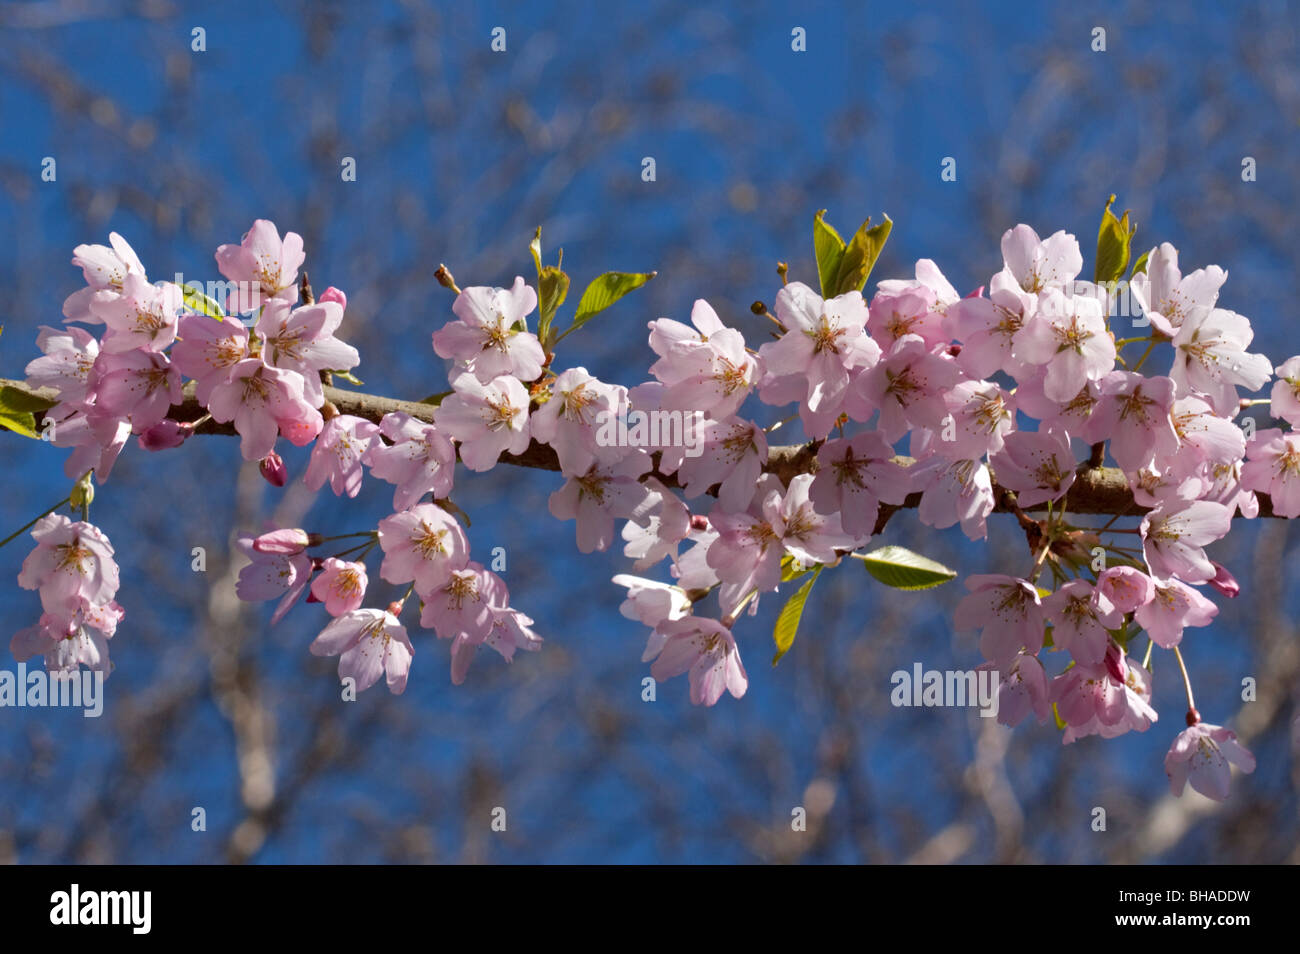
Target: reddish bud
[
  {"x": 288, "y": 541},
  {"x": 1116, "y": 665},
  {"x": 699, "y": 522},
  {"x": 1193, "y": 717},
  {"x": 334, "y": 294},
  {"x": 164, "y": 435},
  {"x": 1224, "y": 581},
  {"x": 273, "y": 469}
]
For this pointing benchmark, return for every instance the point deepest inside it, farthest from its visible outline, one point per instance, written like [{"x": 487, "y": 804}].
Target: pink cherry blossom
[
  {"x": 1038, "y": 465},
  {"x": 908, "y": 385},
  {"x": 1173, "y": 607},
  {"x": 302, "y": 340},
  {"x": 1070, "y": 416},
  {"x": 1166, "y": 297},
  {"x": 1123, "y": 589},
  {"x": 854, "y": 477},
  {"x": 571, "y": 420},
  {"x": 1210, "y": 357},
  {"x": 1084, "y": 693},
  {"x": 491, "y": 338},
  {"x": 1284, "y": 398},
  {"x": 823, "y": 341},
  {"x": 650, "y": 601},
  {"x": 1022, "y": 689},
  {"x": 487, "y": 419},
  {"x": 424, "y": 544},
  {"x": 105, "y": 269},
  {"x": 207, "y": 350},
  {"x": 341, "y": 585},
  {"x": 1173, "y": 536},
  {"x": 143, "y": 316},
  {"x": 990, "y": 330},
  {"x": 344, "y": 443},
  {"x": 271, "y": 575},
  {"x": 420, "y": 460},
  {"x": 262, "y": 400},
  {"x": 953, "y": 492},
  {"x": 165, "y": 435},
  {"x": 1135, "y": 711},
  {"x": 605, "y": 492},
  {"x": 703, "y": 647},
  {"x": 654, "y": 532},
  {"x": 72, "y": 566},
  {"x": 1007, "y": 611},
  {"x": 1273, "y": 468},
  {"x": 511, "y": 631},
  {"x": 464, "y": 603},
  {"x": 1037, "y": 264},
  {"x": 1067, "y": 335},
  {"x": 97, "y": 438},
  {"x": 733, "y": 453},
  {"x": 1203, "y": 755},
  {"x": 141, "y": 385},
  {"x": 1133, "y": 414},
  {"x": 70, "y": 355},
  {"x": 67, "y": 646},
  {"x": 909, "y": 311},
  {"x": 980, "y": 415},
  {"x": 1079, "y": 622},
  {"x": 369, "y": 643},
  {"x": 263, "y": 266},
  {"x": 708, "y": 371}
]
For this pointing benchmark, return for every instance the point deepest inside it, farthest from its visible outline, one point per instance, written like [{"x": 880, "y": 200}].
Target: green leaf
[
  {"x": 18, "y": 410},
  {"x": 349, "y": 377},
  {"x": 905, "y": 570},
  {"x": 860, "y": 256},
  {"x": 552, "y": 289},
  {"x": 1114, "y": 245},
  {"x": 1141, "y": 264},
  {"x": 16, "y": 399},
  {"x": 603, "y": 292},
  {"x": 535, "y": 246},
  {"x": 787, "y": 623},
  {"x": 829, "y": 248},
  {"x": 435, "y": 399},
  {"x": 1060, "y": 723},
  {"x": 195, "y": 300}
]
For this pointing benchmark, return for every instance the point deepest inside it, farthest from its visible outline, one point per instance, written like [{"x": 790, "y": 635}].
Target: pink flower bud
[
  {"x": 282, "y": 541},
  {"x": 165, "y": 435},
  {"x": 699, "y": 522},
  {"x": 333, "y": 294},
  {"x": 1116, "y": 664},
  {"x": 1224, "y": 581},
  {"x": 273, "y": 469}
]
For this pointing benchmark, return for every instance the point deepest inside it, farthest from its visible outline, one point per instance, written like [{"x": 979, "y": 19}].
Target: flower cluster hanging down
[{"x": 1005, "y": 396}]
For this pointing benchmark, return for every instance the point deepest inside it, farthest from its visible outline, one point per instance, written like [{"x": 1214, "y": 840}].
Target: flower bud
[
  {"x": 83, "y": 492},
  {"x": 334, "y": 294},
  {"x": 165, "y": 435},
  {"x": 1116, "y": 664},
  {"x": 1224, "y": 581},
  {"x": 288, "y": 541},
  {"x": 273, "y": 469}
]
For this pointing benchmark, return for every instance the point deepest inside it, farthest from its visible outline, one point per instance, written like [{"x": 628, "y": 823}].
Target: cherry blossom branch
[{"x": 1096, "y": 490}]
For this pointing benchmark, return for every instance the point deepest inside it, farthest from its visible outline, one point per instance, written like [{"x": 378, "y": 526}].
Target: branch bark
[{"x": 1096, "y": 490}]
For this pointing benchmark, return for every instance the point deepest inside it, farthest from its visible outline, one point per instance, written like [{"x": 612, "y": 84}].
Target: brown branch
[{"x": 1096, "y": 490}]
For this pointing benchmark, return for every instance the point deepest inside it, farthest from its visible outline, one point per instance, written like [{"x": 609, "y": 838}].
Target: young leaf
[
  {"x": 791, "y": 570},
  {"x": 435, "y": 399},
  {"x": 603, "y": 292},
  {"x": 1141, "y": 264},
  {"x": 195, "y": 300},
  {"x": 787, "y": 623},
  {"x": 860, "y": 256},
  {"x": 16, "y": 400},
  {"x": 1114, "y": 245},
  {"x": 552, "y": 289},
  {"x": 535, "y": 246},
  {"x": 349, "y": 377},
  {"x": 905, "y": 570},
  {"x": 828, "y": 248}
]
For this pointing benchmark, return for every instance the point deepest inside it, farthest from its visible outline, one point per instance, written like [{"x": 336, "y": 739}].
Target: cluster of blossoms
[{"x": 1005, "y": 399}]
